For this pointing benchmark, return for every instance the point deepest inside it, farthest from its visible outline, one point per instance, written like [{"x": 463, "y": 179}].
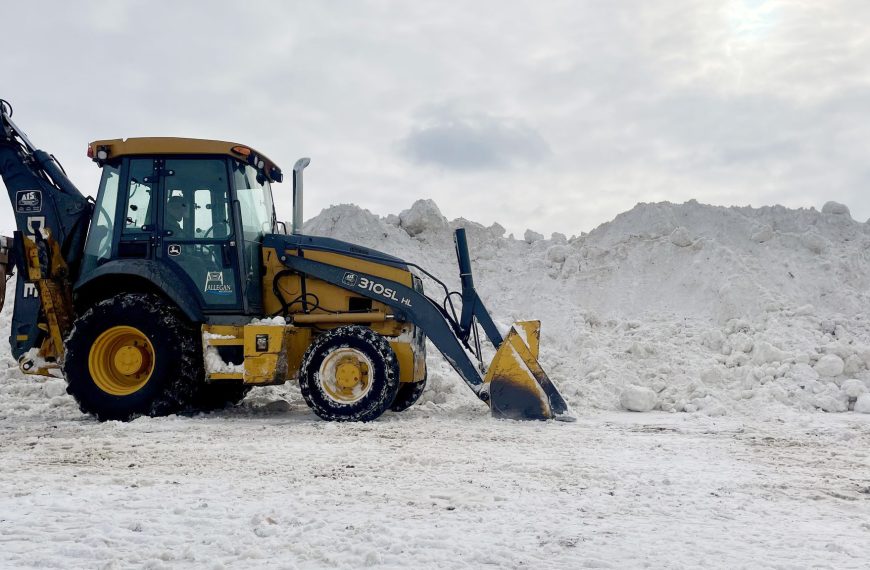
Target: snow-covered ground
[{"x": 744, "y": 330}]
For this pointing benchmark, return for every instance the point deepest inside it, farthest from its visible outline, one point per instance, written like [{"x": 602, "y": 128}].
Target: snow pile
[
  {"x": 715, "y": 310},
  {"x": 673, "y": 307}
]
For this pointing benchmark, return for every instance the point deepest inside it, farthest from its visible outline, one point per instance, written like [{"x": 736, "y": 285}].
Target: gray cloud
[
  {"x": 473, "y": 141},
  {"x": 732, "y": 102}
]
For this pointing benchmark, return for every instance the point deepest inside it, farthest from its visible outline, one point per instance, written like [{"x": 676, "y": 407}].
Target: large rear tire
[
  {"x": 133, "y": 355},
  {"x": 349, "y": 374}
]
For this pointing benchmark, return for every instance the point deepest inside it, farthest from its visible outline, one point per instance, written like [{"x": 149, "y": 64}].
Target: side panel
[{"x": 307, "y": 294}]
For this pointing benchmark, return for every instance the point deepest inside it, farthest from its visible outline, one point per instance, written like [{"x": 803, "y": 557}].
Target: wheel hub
[
  {"x": 129, "y": 360},
  {"x": 344, "y": 375},
  {"x": 121, "y": 360},
  {"x": 348, "y": 373}
]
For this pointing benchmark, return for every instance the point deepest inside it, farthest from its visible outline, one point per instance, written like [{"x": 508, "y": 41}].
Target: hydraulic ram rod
[{"x": 5, "y": 266}]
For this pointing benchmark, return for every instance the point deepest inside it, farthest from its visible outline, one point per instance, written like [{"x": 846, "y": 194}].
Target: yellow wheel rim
[
  {"x": 121, "y": 360},
  {"x": 345, "y": 375}
]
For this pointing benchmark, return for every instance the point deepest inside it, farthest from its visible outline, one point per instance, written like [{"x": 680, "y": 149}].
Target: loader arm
[
  {"x": 515, "y": 386},
  {"x": 408, "y": 304},
  {"x": 52, "y": 219}
]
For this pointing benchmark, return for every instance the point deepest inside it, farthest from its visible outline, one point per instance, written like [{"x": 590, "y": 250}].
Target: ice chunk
[
  {"x": 680, "y": 237},
  {"x": 830, "y": 365},
  {"x": 815, "y": 242},
  {"x": 531, "y": 236},
  {"x": 558, "y": 253},
  {"x": 638, "y": 398},
  {"x": 835, "y": 208},
  {"x": 423, "y": 216},
  {"x": 764, "y": 352},
  {"x": 853, "y": 388},
  {"x": 762, "y": 234}
]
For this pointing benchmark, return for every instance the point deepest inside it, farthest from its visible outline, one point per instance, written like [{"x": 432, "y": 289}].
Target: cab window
[
  {"x": 255, "y": 199},
  {"x": 99, "y": 244},
  {"x": 196, "y": 203},
  {"x": 139, "y": 209}
]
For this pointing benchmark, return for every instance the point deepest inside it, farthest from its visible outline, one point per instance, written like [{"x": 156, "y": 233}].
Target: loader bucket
[{"x": 519, "y": 389}]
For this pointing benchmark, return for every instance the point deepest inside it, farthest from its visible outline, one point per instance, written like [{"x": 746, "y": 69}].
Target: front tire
[
  {"x": 409, "y": 393},
  {"x": 132, "y": 355},
  {"x": 349, "y": 374}
]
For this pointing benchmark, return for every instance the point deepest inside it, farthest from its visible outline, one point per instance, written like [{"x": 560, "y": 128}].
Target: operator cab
[{"x": 186, "y": 211}]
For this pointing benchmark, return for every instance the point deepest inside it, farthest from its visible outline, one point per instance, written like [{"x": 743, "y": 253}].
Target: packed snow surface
[{"x": 741, "y": 332}]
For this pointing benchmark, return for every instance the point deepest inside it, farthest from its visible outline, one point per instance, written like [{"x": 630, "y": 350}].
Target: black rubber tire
[
  {"x": 178, "y": 372},
  {"x": 384, "y": 375},
  {"x": 409, "y": 393},
  {"x": 211, "y": 397}
]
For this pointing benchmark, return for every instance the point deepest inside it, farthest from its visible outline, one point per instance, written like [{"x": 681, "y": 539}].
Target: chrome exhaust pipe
[{"x": 297, "y": 193}]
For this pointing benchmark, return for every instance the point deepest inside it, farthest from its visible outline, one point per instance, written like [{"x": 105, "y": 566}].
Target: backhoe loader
[{"x": 177, "y": 290}]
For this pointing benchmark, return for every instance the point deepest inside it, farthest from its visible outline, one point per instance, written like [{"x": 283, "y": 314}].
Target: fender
[{"x": 162, "y": 277}]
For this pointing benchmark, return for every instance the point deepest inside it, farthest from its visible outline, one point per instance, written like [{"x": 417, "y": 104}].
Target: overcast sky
[{"x": 553, "y": 116}]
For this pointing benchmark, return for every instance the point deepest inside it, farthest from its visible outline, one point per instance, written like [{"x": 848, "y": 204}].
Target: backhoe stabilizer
[{"x": 518, "y": 387}]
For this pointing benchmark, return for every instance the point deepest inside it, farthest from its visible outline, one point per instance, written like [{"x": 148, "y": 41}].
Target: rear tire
[
  {"x": 349, "y": 374},
  {"x": 409, "y": 393},
  {"x": 132, "y": 355}
]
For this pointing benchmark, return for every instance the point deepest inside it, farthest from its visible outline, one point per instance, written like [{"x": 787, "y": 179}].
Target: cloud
[
  {"x": 760, "y": 101},
  {"x": 473, "y": 141}
]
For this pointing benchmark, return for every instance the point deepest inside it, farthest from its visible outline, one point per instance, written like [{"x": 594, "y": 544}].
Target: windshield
[
  {"x": 255, "y": 199},
  {"x": 255, "y": 204}
]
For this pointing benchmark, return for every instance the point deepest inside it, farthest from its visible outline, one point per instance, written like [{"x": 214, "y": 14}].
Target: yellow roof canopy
[{"x": 104, "y": 150}]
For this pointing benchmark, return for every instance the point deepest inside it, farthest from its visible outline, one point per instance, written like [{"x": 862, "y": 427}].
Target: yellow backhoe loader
[{"x": 177, "y": 289}]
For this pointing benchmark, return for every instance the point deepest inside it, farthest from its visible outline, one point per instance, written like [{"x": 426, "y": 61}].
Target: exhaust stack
[{"x": 297, "y": 193}]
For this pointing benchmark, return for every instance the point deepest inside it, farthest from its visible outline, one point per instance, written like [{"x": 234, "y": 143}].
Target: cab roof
[{"x": 103, "y": 150}]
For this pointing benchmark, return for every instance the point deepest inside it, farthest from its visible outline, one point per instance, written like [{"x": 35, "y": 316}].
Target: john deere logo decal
[
  {"x": 28, "y": 201},
  {"x": 214, "y": 284},
  {"x": 174, "y": 249}
]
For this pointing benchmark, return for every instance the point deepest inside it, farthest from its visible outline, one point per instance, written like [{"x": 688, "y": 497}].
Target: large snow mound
[{"x": 713, "y": 310}]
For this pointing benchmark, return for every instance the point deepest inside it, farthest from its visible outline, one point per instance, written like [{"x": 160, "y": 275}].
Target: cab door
[
  {"x": 138, "y": 210},
  {"x": 196, "y": 232}
]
